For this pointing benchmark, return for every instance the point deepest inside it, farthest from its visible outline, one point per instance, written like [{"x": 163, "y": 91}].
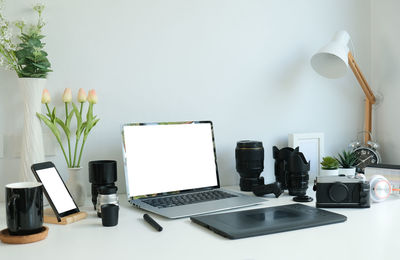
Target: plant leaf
[
  {"x": 50, "y": 125},
  {"x": 64, "y": 127},
  {"x": 78, "y": 120},
  {"x": 69, "y": 118}
]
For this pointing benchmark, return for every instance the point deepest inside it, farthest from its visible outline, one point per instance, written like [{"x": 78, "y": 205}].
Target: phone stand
[{"x": 50, "y": 217}]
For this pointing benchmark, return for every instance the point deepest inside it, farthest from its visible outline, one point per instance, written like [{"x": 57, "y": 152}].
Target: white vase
[
  {"x": 76, "y": 185},
  {"x": 32, "y": 150},
  {"x": 347, "y": 171},
  {"x": 324, "y": 172}
]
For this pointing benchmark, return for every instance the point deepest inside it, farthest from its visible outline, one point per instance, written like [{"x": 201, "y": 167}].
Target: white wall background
[
  {"x": 385, "y": 77},
  {"x": 242, "y": 63}
]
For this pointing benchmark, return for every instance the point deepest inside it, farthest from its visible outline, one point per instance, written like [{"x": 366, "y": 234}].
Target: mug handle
[{"x": 12, "y": 200}]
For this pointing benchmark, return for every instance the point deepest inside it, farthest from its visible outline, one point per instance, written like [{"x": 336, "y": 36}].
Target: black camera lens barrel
[
  {"x": 102, "y": 173},
  {"x": 281, "y": 157},
  {"x": 298, "y": 169},
  {"x": 249, "y": 157}
]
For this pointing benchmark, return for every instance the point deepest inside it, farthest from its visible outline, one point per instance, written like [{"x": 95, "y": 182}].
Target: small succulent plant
[
  {"x": 347, "y": 159},
  {"x": 329, "y": 163}
]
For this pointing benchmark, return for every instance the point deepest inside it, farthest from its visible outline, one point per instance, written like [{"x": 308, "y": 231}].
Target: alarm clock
[{"x": 366, "y": 154}]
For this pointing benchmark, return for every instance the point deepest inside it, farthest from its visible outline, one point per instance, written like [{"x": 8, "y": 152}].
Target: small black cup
[
  {"x": 109, "y": 215},
  {"x": 24, "y": 208}
]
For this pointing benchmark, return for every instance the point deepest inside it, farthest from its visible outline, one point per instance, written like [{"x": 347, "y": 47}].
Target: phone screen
[{"x": 56, "y": 189}]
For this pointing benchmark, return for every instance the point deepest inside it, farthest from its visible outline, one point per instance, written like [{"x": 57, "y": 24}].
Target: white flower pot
[
  {"x": 347, "y": 171},
  {"x": 76, "y": 185},
  {"x": 324, "y": 172},
  {"x": 32, "y": 150}
]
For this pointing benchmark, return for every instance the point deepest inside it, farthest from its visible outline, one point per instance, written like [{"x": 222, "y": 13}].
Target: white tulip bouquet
[{"x": 83, "y": 127}]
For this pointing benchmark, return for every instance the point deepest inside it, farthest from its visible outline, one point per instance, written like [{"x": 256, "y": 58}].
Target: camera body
[{"x": 342, "y": 192}]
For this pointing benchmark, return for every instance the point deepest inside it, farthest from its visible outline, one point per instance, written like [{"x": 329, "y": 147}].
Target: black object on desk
[
  {"x": 109, "y": 215},
  {"x": 263, "y": 221},
  {"x": 152, "y": 222}
]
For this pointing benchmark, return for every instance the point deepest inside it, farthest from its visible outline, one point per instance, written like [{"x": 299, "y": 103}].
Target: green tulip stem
[
  {"x": 76, "y": 148},
  {"x": 48, "y": 109},
  {"x": 69, "y": 143},
  {"x": 65, "y": 155},
  {"x": 80, "y": 112},
  {"x": 80, "y": 153},
  {"x": 66, "y": 112}
]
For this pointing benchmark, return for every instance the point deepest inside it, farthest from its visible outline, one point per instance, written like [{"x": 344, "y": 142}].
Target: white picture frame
[{"x": 312, "y": 146}]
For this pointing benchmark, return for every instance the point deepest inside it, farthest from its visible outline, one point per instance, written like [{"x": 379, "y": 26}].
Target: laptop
[{"x": 171, "y": 170}]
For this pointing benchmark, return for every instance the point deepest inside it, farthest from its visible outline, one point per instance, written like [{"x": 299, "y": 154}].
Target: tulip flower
[
  {"x": 81, "y": 95},
  {"x": 92, "y": 97},
  {"x": 72, "y": 155},
  {"x": 46, "y": 96},
  {"x": 67, "y": 96}
]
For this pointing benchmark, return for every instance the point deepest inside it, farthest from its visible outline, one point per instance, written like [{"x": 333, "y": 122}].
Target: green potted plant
[
  {"x": 24, "y": 52},
  {"x": 347, "y": 161},
  {"x": 330, "y": 166}
]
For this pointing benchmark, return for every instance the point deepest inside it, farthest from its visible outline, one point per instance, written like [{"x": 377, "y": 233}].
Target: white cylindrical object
[
  {"x": 32, "y": 150},
  {"x": 325, "y": 172}
]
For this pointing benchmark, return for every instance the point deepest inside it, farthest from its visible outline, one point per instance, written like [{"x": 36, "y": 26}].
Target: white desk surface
[{"x": 372, "y": 233}]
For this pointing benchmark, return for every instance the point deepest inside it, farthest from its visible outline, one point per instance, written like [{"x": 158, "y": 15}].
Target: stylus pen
[{"x": 152, "y": 222}]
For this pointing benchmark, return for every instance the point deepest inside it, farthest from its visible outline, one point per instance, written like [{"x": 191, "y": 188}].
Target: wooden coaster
[
  {"x": 5, "y": 237},
  {"x": 50, "y": 217}
]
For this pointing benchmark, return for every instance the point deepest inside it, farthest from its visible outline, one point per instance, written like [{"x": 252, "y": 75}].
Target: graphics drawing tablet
[{"x": 263, "y": 221}]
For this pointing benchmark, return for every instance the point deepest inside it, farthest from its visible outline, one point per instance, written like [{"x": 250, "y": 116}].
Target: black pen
[{"x": 152, "y": 222}]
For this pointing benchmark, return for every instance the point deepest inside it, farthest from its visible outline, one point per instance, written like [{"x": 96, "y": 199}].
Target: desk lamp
[{"x": 332, "y": 62}]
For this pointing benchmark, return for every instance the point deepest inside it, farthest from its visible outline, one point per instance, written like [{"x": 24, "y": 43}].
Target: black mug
[{"x": 24, "y": 208}]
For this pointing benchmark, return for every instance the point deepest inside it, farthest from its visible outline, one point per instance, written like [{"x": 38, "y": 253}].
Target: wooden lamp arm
[
  {"x": 361, "y": 79},
  {"x": 370, "y": 97}
]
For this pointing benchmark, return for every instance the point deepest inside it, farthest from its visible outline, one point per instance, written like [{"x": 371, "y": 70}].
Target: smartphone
[{"x": 55, "y": 190}]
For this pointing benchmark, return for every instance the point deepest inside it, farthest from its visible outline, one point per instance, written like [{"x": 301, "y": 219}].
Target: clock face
[{"x": 365, "y": 156}]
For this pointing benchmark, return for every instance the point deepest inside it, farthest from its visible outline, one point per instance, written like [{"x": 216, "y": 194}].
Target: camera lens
[
  {"x": 298, "y": 168},
  {"x": 338, "y": 192},
  {"x": 102, "y": 173},
  {"x": 249, "y": 163}
]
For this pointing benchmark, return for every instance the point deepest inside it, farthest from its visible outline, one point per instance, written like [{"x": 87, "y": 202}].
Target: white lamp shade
[{"x": 332, "y": 60}]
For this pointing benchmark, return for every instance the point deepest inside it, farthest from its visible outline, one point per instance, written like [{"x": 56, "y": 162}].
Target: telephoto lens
[
  {"x": 298, "y": 168},
  {"x": 101, "y": 173},
  {"x": 249, "y": 163}
]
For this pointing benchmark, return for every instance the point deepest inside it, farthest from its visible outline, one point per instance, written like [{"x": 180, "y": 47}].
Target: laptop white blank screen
[{"x": 172, "y": 157}]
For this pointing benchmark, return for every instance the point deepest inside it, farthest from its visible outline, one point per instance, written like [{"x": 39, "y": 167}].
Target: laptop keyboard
[{"x": 190, "y": 198}]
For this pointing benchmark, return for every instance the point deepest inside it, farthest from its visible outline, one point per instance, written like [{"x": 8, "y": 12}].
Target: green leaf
[
  {"x": 78, "y": 120},
  {"x": 39, "y": 66},
  {"x": 64, "y": 127},
  {"x": 90, "y": 125},
  {"x": 89, "y": 115},
  {"x": 69, "y": 118},
  {"x": 53, "y": 115},
  {"x": 50, "y": 125}
]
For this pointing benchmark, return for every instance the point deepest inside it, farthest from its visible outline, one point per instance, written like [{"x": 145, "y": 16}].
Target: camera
[{"x": 342, "y": 192}]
